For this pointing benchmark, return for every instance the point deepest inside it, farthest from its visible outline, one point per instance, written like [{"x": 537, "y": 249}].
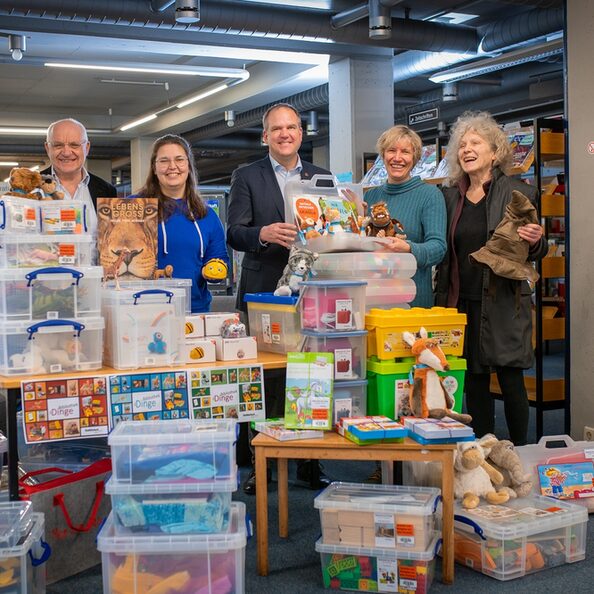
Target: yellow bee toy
[{"x": 215, "y": 270}]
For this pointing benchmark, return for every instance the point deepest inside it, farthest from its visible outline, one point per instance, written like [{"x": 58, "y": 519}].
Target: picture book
[
  {"x": 308, "y": 392},
  {"x": 276, "y": 428},
  {"x": 567, "y": 481},
  {"x": 127, "y": 236}
]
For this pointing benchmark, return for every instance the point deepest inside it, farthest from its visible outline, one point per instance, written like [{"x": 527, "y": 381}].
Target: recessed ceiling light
[
  {"x": 156, "y": 69},
  {"x": 454, "y": 18},
  {"x": 148, "y": 118}
]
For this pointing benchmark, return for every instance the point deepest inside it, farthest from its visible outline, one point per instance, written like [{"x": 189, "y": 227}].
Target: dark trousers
[{"x": 480, "y": 403}]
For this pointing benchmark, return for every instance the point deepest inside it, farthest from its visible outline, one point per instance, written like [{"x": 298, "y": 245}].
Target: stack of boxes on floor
[
  {"x": 378, "y": 538},
  {"x": 173, "y": 527},
  {"x": 50, "y": 315},
  {"x": 23, "y": 551}
]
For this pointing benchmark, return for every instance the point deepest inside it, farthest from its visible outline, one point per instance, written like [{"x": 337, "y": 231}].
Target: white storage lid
[
  {"x": 36, "y": 524},
  {"x": 155, "y": 433},
  {"x": 114, "y": 487},
  {"x": 426, "y": 555},
  {"x": 50, "y": 326},
  {"x": 420, "y": 501},
  {"x": 50, "y": 273},
  {"x": 142, "y": 295},
  {"x": 521, "y": 517},
  {"x": 45, "y": 238},
  {"x": 190, "y": 544},
  {"x": 15, "y": 521}
]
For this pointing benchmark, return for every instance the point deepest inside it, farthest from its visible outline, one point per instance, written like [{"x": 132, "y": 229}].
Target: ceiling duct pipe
[
  {"x": 161, "y": 5},
  {"x": 251, "y": 20},
  {"x": 307, "y": 101},
  {"x": 349, "y": 16}
]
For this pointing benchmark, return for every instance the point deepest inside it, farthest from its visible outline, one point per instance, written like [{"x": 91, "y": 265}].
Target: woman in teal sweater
[{"x": 418, "y": 206}]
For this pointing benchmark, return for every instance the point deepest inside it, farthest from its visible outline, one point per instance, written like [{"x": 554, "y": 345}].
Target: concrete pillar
[
  {"x": 361, "y": 105},
  {"x": 580, "y": 90},
  {"x": 100, "y": 167},
  {"x": 321, "y": 156},
  {"x": 140, "y": 155}
]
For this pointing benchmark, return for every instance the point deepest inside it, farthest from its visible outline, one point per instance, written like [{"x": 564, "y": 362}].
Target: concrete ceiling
[{"x": 241, "y": 35}]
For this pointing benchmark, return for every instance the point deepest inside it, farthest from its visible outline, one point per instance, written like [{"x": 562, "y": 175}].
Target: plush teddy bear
[
  {"x": 25, "y": 183},
  {"x": 298, "y": 268},
  {"x": 474, "y": 477},
  {"x": 504, "y": 458},
  {"x": 49, "y": 187},
  {"x": 380, "y": 224}
]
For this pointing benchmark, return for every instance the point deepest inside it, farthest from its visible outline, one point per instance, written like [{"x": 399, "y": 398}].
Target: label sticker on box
[
  {"x": 405, "y": 535},
  {"x": 387, "y": 574},
  {"x": 407, "y": 578},
  {"x": 343, "y": 364},
  {"x": 266, "y": 329},
  {"x": 67, "y": 253},
  {"x": 384, "y": 529},
  {"x": 344, "y": 314}
]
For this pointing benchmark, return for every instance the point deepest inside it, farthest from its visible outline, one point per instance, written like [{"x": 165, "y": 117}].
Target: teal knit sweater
[{"x": 420, "y": 208}]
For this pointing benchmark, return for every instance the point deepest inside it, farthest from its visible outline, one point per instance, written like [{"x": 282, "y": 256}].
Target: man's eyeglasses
[
  {"x": 178, "y": 162},
  {"x": 73, "y": 146}
]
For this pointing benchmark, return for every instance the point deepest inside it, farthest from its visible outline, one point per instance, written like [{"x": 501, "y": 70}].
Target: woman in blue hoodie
[{"x": 190, "y": 232}]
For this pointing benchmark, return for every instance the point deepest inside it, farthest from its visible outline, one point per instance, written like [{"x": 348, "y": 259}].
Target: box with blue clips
[
  {"x": 437, "y": 431},
  {"x": 177, "y": 451},
  {"x": 369, "y": 430}
]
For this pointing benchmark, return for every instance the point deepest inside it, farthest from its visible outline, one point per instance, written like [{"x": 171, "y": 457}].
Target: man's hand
[{"x": 282, "y": 233}]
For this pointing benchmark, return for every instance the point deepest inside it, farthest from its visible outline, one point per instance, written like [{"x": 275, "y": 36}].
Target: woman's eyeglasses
[{"x": 177, "y": 161}]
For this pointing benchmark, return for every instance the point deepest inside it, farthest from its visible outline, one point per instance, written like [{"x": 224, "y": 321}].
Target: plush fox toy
[{"x": 428, "y": 396}]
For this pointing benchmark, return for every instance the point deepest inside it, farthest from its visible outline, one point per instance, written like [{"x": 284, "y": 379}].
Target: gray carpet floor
[{"x": 295, "y": 565}]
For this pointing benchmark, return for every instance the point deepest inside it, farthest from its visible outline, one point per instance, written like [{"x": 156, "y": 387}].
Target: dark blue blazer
[{"x": 255, "y": 201}]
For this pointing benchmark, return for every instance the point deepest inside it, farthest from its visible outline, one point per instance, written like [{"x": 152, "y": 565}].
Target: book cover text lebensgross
[{"x": 127, "y": 236}]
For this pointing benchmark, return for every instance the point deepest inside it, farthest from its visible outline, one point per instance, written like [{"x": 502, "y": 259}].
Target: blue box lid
[{"x": 271, "y": 298}]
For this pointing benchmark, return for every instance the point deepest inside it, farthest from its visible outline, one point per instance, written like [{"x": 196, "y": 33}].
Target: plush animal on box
[
  {"x": 298, "y": 268},
  {"x": 49, "y": 187},
  {"x": 25, "y": 183},
  {"x": 474, "y": 477},
  {"x": 333, "y": 221},
  {"x": 504, "y": 458},
  {"x": 428, "y": 397},
  {"x": 231, "y": 328},
  {"x": 380, "y": 224},
  {"x": 165, "y": 272},
  {"x": 215, "y": 270}
]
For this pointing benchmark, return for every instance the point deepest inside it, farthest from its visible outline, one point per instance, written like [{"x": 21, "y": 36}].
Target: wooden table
[
  {"x": 334, "y": 447},
  {"x": 12, "y": 384}
]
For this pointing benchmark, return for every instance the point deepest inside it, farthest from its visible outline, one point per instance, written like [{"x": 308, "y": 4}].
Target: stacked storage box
[
  {"x": 50, "y": 318},
  {"x": 332, "y": 320},
  {"x": 22, "y": 549},
  {"x": 390, "y": 359},
  {"x": 173, "y": 522},
  {"x": 377, "y": 538}
]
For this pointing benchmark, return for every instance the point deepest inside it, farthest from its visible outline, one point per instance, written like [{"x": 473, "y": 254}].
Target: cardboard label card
[
  {"x": 567, "y": 481},
  {"x": 228, "y": 393},
  {"x": 61, "y": 409}
]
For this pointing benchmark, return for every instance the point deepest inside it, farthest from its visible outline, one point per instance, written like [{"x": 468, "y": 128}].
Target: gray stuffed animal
[
  {"x": 298, "y": 268},
  {"x": 503, "y": 457}
]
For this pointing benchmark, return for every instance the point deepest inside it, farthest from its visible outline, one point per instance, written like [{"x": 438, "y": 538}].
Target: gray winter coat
[{"x": 506, "y": 312}]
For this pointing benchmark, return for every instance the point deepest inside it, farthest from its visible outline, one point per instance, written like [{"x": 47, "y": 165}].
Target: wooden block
[
  {"x": 329, "y": 518},
  {"x": 331, "y": 535}
]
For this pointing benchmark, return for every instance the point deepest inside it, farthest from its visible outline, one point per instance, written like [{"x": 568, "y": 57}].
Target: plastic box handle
[
  {"x": 437, "y": 546},
  {"x": 138, "y": 295},
  {"x": 31, "y": 276},
  {"x": 249, "y": 527},
  {"x": 438, "y": 500},
  {"x": 545, "y": 439},
  {"x": 321, "y": 180},
  {"x": 3, "y": 224},
  {"x": 464, "y": 520},
  {"x": 85, "y": 218},
  {"x": 47, "y": 551},
  {"x": 53, "y": 323}
]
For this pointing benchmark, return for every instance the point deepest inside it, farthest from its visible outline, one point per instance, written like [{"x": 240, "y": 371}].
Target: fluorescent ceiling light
[
  {"x": 507, "y": 60},
  {"x": 20, "y": 131},
  {"x": 148, "y": 118},
  {"x": 203, "y": 95},
  {"x": 9, "y": 164},
  {"x": 157, "y": 69},
  {"x": 454, "y": 18}
]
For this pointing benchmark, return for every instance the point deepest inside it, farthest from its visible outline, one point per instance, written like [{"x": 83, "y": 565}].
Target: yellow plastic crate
[{"x": 385, "y": 328}]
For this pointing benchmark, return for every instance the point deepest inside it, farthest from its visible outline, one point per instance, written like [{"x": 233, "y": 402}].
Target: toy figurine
[
  {"x": 113, "y": 270},
  {"x": 333, "y": 221},
  {"x": 158, "y": 345},
  {"x": 233, "y": 329},
  {"x": 380, "y": 224},
  {"x": 166, "y": 272}
]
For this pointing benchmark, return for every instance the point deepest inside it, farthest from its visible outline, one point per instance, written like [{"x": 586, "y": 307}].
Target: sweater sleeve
[
  {"x": 216, "y": 246},
  {"x": 431, "y": 251}
]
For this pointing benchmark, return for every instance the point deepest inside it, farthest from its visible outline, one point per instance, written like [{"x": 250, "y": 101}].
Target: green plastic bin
[{"x": 387, "y": 380}]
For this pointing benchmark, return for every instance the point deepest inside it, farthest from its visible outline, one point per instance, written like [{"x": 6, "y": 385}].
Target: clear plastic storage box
[
  {"x": 184, "y": 564},
  {"x": 50, "y": 293},
  {"x": 159, "y": 283},
  {"x": 55, "y": 217},
  {"x": 349, "y": 399},
  {"x": 274, "y": 321},
  {"x": 386, "y": 293},
  {"x": 369, "y": 569},
  {"x": 143, "y": 327},
  {"x": 332, "y": 306},
  {"x": 349, "y": 348},
  {"x": 365, "y": 265},
  {"x": 171, "y": 508},
  {"x": 174, "y": 451},
  {"x": 52, "y": 346},
  {"x": 520, "y": 537},
  {"x": 16, "y": 519},
  {"x": 33, "y": 251},
  {"x": 385, "y": 516},
  {"x": 22, "y": 569}
]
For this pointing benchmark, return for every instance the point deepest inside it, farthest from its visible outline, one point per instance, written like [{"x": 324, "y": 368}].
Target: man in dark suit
[
  {"x": 256, "y": 226},
  {"x": 67, "y": 146}
]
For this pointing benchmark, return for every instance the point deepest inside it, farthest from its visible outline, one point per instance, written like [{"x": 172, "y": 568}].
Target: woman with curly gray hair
[{"x": 499, "y": 313}]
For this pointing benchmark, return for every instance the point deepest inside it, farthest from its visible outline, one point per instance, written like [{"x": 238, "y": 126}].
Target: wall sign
[{"x": 426, "y": 115}]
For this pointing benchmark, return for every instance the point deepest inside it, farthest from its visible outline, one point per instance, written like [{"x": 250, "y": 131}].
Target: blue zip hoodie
[{"x": 188, "y": 245}]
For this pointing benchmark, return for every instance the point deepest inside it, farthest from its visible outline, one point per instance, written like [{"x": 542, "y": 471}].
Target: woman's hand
[
  {"x": 397, "y": 245},
  {"x": 531, "y": 233}
]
